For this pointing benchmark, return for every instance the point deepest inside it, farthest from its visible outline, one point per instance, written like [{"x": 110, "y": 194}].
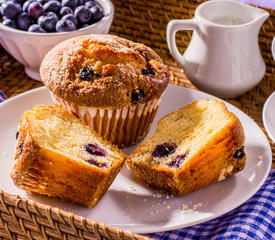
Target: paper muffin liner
[{"x": 123, "y": 127}]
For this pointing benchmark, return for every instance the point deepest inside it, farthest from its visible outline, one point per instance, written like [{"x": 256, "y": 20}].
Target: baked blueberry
[
  {"x": 164, "y": 150},
  {"x": 137, "y": 95},
  {"x": 83, "y": 14},
  {"x": 65, "y": 26},
  {"x": 16, "y": 136},
  {"x": 21, "y": 147},
  {"x": 97, "y": 163},
  {"x": 147, "y": 71},
  {"x": 71, "y": 17},
  {"x": 24, "y": 21},
  {"x": 175, "y": 163},
  {"x": 95, "y": 150},
  {"x": 35, "y": 9},
  {"x": 239, "y": 153},
  {"x": 52, "y": 6},
  {"x": 86, "y": 74},
  {"x": 48, "y": 21},
  {"x": 36, "y": 28}
]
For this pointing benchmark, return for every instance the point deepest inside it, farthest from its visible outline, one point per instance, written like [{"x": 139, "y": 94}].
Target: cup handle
[{"x": 172, "y": 28}]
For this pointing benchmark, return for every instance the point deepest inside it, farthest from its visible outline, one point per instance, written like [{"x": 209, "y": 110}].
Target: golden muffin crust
[{"x": 121, "y": 72}]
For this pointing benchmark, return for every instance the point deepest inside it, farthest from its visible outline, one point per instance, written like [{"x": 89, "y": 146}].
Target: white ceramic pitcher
[{"x": 223, "y": 57}]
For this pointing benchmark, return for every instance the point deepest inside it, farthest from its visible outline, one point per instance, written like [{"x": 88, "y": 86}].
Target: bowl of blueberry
[{"x": 30, "y": 28}]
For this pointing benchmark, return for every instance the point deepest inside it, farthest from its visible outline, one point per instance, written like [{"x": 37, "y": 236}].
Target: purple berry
[
  {"x": 95, "y": 150},
  {"x": 9, "y": 23},
  {"x": 48, "y": 21},
  {"x": 83, "y": 14},
  {"x": 24, "y": 21},
  {"x": 97, "y": 163},
  {"x": 137, "y": 95},
  {"x": 42, "y": 1},
  {"x": 72, "y": 18},
  {"x": 69, "y": 3},
  {"x": 239, "y": 153},
  {"x": 35, "y": 9},
  {"x": 90, "y": 4},
  {"x": 21, "y": 147},
  {"x": 36, "y": 28},
  {"x": 177, "y": 161},
  {"x": 164, "y": 150},
  {"x": 147, "y": 71},
  {"x": 65, "y": 26},
  {"x": 97, "y": 13},
  {"x": 64, "y": 11},
  {"x": 10, "y": 9},
  {"x": 86, "y": 74},
  {"x": 52, "y": 6},
  {"x": 26, "y": 5}
]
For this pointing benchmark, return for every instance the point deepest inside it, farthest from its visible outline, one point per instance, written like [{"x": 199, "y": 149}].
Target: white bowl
[{"x": 30, "y": 48}]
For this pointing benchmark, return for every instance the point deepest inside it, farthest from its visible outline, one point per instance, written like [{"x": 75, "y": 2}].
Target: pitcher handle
[{"x": 172, "y": 28}]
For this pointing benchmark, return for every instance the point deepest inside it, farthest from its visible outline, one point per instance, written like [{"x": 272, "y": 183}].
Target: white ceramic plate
[
  {"x": 269, "y": 116},
  {"x": 132, "y": 206}
]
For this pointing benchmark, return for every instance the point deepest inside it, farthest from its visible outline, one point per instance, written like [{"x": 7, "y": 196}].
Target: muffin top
[{"x": 104, "y": 71}]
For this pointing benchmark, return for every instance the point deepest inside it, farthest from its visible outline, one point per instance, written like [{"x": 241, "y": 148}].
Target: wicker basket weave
[{"x": 142, "y": 21}]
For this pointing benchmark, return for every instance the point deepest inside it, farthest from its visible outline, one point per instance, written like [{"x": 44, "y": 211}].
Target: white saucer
[{"x": 269, "y": 116}]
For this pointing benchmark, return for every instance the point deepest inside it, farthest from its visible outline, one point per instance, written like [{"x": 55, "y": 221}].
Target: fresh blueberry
[
  {"x": 10, "y": 9},
  {"x": 72, "y": 18},
  {"x": 36, "y": 28},
  {"x": 65, "y": 26},
  {"x": 83, "y": 14},
  {"x": 64, "y": 11},
  {"x": 24, "y": 21},
  {"x": 239, "y": 153},
  {"x": 81, "y": 2},
  {"x": 147, "y": 71},
  {"x": 90, "y": 4},
  {"x": 69, "y": 3},
  {"x": 42, "y": 1},
  {"x": 26, "y": 5},
  {"x": 95, "y": 150},
  {"x": 9, "y": 23},
  {"x": 35, "y": 9},
  {"x": 137, "y": 95},
  {"x": 52, "y": 6},
  {"x": 84, "y": 25},
  {"x": 48, "y": 21},
  {"x": 177, "y": 161},
  {"x": 86, "y": 74},
  {"x": 97, "y": 163},
  {"x": 164, "y": 150},
  {"x": 97, "y": 13},
  {"x": 20, "y": 1}
]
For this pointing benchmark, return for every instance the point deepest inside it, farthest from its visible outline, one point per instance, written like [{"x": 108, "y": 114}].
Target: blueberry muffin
[
  {"x": 57, "y": 155},
  {"x": 196, "y": 145},
  {"x": 112, "y": 84}
]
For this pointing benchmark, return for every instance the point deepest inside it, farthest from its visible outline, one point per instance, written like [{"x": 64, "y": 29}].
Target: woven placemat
[{"x": 142, "y": 21}]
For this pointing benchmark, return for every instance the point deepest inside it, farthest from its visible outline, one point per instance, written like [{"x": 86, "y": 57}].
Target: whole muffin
[{"x": 112, "y": 84}]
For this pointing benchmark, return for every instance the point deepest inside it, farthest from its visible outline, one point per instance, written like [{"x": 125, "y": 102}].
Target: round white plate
[
  {"x": 269, "y": 116},
  {"x": 133, "y": 206}
]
